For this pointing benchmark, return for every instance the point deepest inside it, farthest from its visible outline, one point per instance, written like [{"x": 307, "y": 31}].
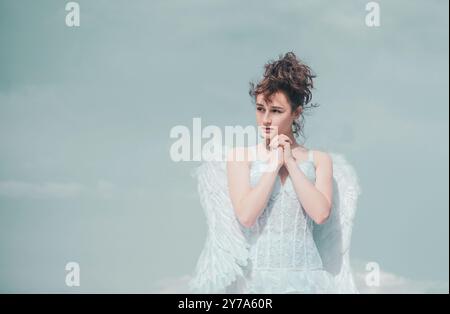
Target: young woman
[{"x": 263, "y": 210}]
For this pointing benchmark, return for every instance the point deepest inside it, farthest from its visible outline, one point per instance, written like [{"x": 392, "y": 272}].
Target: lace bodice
[
  {"x": 279, "y": 253},
  {"x": 282, "y": 237}
]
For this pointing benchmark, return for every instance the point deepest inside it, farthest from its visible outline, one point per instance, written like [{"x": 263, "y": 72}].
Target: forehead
[{"x": 277, "y": 99}]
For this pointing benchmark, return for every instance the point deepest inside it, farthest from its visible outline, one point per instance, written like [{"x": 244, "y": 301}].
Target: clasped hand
[{"x": 280, "y": 151}]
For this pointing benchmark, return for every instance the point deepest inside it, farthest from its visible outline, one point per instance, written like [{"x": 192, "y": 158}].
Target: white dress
[
  {"x": 283, "y": 255},
  {"x": 284, "y": 251}
]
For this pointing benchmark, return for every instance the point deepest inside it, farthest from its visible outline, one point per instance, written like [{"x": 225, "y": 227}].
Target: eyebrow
[{"x": 272, "y": 107}]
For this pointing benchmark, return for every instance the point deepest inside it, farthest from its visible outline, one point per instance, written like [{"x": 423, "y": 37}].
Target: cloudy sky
[{"x": 86, "y": 113}]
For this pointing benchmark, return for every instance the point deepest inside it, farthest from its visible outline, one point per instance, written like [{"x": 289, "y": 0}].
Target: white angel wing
[
  {"x": 226, "y": 249},
  {"x": 334, "y": 236}
]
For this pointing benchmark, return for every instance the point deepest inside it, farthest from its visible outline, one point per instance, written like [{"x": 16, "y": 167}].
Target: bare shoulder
[{"x": 322, "y": 159}]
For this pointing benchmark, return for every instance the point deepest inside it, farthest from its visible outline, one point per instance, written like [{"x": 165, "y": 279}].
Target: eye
[
  {"x": 276, "y": 110},
  {"x": 260, "y": 109}
]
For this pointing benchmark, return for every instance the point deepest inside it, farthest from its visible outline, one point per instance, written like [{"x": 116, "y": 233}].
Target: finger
[
  {"x": 275, "y": 138},
  {"x": 286, "y": 139},
  {"x": 274, "y": 143},
  {"x": 280, "y": 151},
  {"x": 286, "y": 146}
]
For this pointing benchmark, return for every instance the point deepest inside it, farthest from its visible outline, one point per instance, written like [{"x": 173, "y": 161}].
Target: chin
[{"x": 266, "y": 136}]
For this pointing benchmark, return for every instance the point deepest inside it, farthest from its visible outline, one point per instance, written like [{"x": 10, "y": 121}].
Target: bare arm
[
  {"x": 315, "y": 199},
  {"x": 248, "y": 202}
]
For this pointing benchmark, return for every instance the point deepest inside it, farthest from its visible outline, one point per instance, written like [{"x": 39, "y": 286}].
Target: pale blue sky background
[{"x": 85, "y": 115}]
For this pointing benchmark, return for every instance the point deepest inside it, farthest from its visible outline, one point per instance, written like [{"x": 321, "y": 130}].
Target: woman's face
[{"x": 276, "y": 116}]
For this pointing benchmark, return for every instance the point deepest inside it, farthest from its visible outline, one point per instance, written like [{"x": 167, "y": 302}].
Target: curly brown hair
[{"x": 291, "y": 76}]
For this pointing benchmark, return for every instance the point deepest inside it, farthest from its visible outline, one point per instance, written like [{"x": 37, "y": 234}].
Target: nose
[{"x": 267, "y": 120}]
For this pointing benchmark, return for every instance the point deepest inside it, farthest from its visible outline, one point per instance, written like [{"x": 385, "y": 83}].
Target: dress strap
[{"x": 310, "y": 156}]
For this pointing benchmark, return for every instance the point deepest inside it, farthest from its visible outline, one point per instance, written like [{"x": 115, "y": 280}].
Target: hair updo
[{"x": 292, "y": 77}]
